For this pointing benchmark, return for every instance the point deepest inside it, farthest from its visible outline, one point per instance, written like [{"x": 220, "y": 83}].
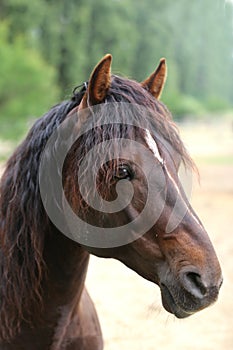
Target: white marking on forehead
[{"x": 153, "y": 146}]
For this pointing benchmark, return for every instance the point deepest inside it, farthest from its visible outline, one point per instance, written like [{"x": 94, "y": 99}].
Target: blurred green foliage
[
  {"x": 47, "y": 47},
  {"x": 27, "y": 85},
  {"x": 182, "y": 105}
]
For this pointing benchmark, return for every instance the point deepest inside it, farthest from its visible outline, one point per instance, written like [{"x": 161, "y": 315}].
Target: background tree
[
  {"x": 69, "y": 37},
  {"x": 27, "y": 85}
]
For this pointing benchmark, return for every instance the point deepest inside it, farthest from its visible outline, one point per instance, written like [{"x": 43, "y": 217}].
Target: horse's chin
[{"x": 171, "y": 305}]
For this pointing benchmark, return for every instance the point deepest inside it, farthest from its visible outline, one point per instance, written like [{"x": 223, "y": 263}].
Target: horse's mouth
[{"x": 171, "y": 305}]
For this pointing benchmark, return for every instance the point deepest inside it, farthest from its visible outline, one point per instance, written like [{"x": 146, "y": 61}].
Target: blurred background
[{"x": 48, "y": 47}]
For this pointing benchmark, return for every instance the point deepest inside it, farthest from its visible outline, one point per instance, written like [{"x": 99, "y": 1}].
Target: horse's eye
[{"x": 123, "y": 172}]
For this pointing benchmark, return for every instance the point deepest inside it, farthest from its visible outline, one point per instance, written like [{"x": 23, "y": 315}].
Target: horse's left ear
[
  {"x": 99, "y": 81},
  {"x": 156, "y": 81}
]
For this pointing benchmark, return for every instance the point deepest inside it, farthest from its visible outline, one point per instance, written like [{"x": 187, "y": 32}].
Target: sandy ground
[{"x": 130, "y": 308}]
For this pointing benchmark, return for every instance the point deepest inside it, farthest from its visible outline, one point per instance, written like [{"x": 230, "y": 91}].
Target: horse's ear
[
  {"x": 99, "y": 81},
  {"x": 156, "y": 81}
]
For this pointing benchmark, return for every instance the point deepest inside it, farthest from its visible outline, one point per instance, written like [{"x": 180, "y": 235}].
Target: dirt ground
[{"x": 130, "y": 308}]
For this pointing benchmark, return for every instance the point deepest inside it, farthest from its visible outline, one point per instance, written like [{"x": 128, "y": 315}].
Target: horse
[{"x": 44, "y": 303}]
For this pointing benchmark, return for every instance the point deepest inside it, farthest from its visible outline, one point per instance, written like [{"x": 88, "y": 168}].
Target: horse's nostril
[{"x": 194, "y": 284}]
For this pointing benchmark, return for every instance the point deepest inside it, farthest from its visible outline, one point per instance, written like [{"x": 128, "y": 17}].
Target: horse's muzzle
[{"x": 189, "y": 293}]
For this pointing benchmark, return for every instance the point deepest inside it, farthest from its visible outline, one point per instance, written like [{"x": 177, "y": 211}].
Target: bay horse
[{"x": 43, "y": 300}]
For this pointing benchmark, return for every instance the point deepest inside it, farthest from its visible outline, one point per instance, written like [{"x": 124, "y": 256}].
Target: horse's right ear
[
  {"x": 99, "y": 82},
  {"x": 156, "y": 81}
]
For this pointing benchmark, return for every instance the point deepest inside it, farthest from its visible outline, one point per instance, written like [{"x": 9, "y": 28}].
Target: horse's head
[{"x": 144, "y": 220}]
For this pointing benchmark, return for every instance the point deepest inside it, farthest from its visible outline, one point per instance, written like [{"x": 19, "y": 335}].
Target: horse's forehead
[{"x": 152, "y": 145}]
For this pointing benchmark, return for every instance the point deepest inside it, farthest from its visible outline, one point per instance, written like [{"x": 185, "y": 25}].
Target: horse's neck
[
  {"x": 67, "y": 266},
  {"x": 63, "y": 289}
]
